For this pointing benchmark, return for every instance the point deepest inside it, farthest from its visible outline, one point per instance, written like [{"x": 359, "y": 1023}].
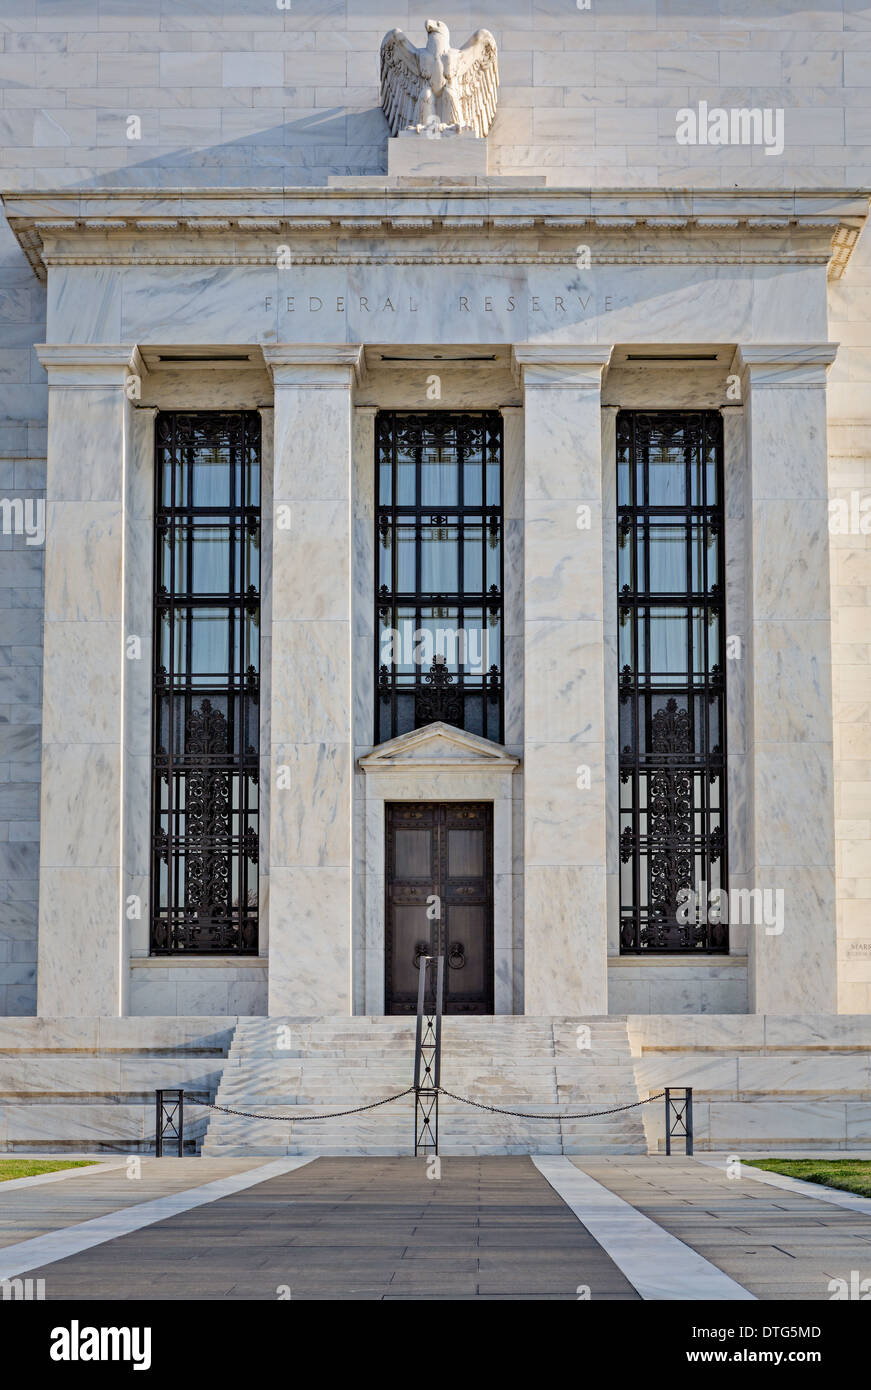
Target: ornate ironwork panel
[
  {"x": 672, "y": 710},
  {"x": 206, "y": 683},
  {"x": 439, "y": 587}
]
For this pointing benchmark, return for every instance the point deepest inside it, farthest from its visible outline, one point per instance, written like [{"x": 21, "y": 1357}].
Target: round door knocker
[
  {"x": 420, "y": 950},
  {"x": 456, "y": 955}
]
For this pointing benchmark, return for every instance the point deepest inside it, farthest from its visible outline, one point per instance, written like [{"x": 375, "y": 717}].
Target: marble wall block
[
  {"x": 564, "y": 712},
  {"x": 82, "y": 923},
  {"x": 790, "y": 844},
  {"x": 610, "y": 674},
  {"x": 267, "y": 540},
  {"x": 311, "y": 736},
  {"x": 368, "y": 891},
  {"x": 137, "y": 737}
]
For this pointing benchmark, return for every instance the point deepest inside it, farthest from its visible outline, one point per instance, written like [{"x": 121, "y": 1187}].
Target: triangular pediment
[{"x": 438, "y": 745}]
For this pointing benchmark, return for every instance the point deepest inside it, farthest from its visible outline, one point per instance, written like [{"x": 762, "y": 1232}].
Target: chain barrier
[
  {"x": 524, "y": 1115},
  {"x": 334, "y": 1115},
  {"x": 479, "y": 1105}
]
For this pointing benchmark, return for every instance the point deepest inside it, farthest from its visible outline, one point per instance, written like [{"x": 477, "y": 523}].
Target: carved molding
[{"x": 494, "y": 225}]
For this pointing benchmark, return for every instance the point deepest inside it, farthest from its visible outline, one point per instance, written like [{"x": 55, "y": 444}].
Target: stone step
[
  {"x": 447, "y": 1149},
  {"x": 510, "y": 1063}
]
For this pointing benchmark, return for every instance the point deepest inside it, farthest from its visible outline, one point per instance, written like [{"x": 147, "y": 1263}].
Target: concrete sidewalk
[
  {"x": 363, "y": 1228},
  {"x": 27, "y": 1212},
  {"x": 388, "y": 1228},
  {"x": 777, "y": 1244}
]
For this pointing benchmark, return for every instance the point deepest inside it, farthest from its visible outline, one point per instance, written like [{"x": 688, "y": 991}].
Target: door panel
[{"x": 439, "y": 889}]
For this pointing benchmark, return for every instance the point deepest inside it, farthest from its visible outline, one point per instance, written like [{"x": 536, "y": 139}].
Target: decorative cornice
[
  {"x": 646, "y": 256},
  {"x": 784, "y": 364},
  {"x": 631, "y": 226},
  {"x": 312, "y": 364},
  {"x": 403, "y": 753},
  {"x": 70, "y": 364},
  {"x": 560, "y": 364}
]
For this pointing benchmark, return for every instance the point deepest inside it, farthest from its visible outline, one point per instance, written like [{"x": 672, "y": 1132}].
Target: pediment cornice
[
  {"x": 438, "y": 746},
  {"x": 493, "y": 222}
]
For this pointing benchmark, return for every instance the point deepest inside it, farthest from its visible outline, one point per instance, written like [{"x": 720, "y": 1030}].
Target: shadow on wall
[{"x": 296, "y": 153}]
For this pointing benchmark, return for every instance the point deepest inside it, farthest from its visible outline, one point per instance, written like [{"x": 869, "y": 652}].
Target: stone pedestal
[
  {"x": 417, "y": 155},
  {"x": 311, "y": 766},
  {"x": 564, "y": 693},
  {"x": 789, "y": 723}
]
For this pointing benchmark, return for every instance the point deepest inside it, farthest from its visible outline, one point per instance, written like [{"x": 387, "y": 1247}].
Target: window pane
[
  {"x": 439, "y": 559},
  {"x": 439, "y": 478},
  {"x": 668, "y": 558}
]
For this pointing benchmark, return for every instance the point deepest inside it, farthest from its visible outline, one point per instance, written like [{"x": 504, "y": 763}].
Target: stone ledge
[
  {"x": 687, "y": 961},
  {"x": 199, "y": 962}
]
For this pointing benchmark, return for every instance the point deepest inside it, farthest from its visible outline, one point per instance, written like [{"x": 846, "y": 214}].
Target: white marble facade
[{"x": 732, "y": 287}]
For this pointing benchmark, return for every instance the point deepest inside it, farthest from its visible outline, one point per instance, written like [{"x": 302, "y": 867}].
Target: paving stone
[
  {"x": 777, "y": 1245},
  {"x": 358, "y": 1228}
]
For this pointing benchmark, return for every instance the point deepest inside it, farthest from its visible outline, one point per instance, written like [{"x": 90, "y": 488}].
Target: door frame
[
  {"x": 434, "y": 764},
  {"x": 447, "y": 934}
]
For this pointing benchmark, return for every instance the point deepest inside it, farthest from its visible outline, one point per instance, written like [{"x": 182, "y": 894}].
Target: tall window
[
  {"x": 438, "y": 539},
  {"x": 206, "y": 683},
  {"x": 671, "y": 581}
]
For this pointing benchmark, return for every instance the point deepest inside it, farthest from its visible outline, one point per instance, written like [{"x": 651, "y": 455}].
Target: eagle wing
[
  {"x": 478, "y": 78},
  {"x": 401, "y": 80}
]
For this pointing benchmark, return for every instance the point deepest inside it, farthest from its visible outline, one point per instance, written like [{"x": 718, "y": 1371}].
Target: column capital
[
  {"x": 560, "y": 364},
  {"x": 90, "y": 364},
  {"x": 784, "y": 364},
  {"x": 314, "y": 364}
]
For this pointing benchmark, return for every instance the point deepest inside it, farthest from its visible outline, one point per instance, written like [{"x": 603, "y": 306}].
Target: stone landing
[
  {"x": 86, "y": 1085},
  {"x": 317, "y": 1065}
]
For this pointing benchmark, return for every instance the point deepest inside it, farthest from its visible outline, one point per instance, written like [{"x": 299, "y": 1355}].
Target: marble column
[
  {"x": 612, "y": 741},
  {"x": 790, "y": 841},
  {"x": 738, "y": 665},
  {"x": 82, "y": 926},
  {"x": 311, "y": 750},
  {"x": 564, "y": 707},
  {"x": 368, "y": 893}
]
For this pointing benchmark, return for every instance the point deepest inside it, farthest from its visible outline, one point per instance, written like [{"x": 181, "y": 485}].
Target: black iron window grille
[
  {"x": 671, "y": 642},
  {"x": 439, "y": 584},
  {"x": 206, "y": 683}
]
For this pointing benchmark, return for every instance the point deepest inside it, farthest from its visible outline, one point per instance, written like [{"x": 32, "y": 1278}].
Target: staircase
[{"x": 318, "y": 1065}]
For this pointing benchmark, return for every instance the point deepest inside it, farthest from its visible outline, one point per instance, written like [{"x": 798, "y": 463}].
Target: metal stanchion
[
  {"x": 679, "y": 1117},
  {"x": 169, "y": 1119}
]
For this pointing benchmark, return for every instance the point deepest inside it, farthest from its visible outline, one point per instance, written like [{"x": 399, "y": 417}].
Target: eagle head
[{"x": 437, "y": 26}]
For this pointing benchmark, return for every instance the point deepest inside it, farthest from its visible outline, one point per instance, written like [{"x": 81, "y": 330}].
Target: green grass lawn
[
  {"x": 30, "y": 1167},
  {"x": 847, "y": 1174}
]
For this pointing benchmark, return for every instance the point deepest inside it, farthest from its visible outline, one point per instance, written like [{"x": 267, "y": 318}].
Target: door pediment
[{"x": 435, "y": 746}]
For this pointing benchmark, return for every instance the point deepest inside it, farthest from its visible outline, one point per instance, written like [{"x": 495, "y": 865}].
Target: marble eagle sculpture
[{"x": 438, "y": 87}]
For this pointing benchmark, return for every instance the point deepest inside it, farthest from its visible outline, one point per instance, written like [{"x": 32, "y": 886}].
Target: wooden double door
[{"x": 439, "y": 878}]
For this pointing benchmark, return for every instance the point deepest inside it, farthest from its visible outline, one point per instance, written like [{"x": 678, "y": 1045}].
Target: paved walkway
[
  {"x": 362, "y": 1228},
  {"x": 778, "y": 1244},
  {"x": 85, "y": 1193},
  {"x": 382, "y": 1228}
]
